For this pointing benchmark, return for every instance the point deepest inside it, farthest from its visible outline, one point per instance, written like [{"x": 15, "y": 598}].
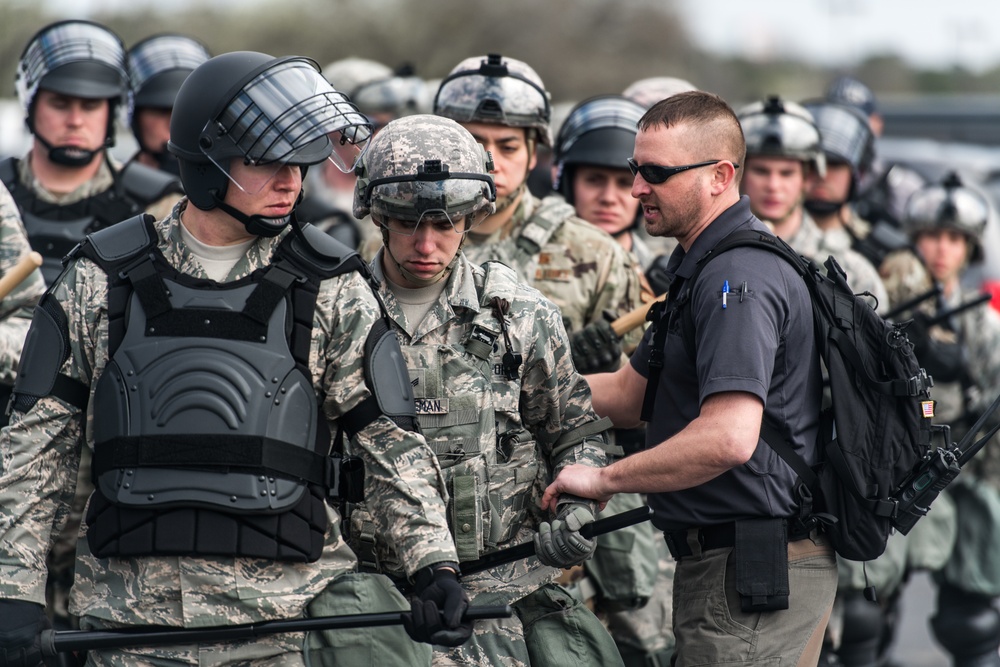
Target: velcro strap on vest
[
  {"x": 589, "y": 430},
  {"x": 478, "y": 349},
  {"x": 179, "y": 451},
  {"x": 465, "y": 517}
]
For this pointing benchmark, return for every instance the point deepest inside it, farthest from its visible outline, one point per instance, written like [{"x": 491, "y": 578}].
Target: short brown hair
[{"x": 704, "y": 110}]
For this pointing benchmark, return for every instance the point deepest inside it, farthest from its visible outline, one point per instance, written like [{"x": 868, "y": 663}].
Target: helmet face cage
[
  {"x": 69, "y": 42},
  {"x": 158, "y": 54},
  {"x": 504, "y": 92},
  {"x": 286, "y": 114},
  {"x": 948, "y": 205},
  {"x": 844, "y": 135},
  {"x": 783, "y": 129}
]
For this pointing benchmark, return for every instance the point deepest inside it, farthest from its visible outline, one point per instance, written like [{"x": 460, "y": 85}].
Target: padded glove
[
  {"x": 560, "y": 544},
  {"x": 595, "y": 348},
  {"x": 21, "y": 625},
  {"x": 437, "y": 609}
]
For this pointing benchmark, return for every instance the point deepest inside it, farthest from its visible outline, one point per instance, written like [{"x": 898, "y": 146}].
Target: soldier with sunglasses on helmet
[
  {"x": 205, "y": 360},
  {"x": 718, "y": 492},
  {"x": 496, "y": 393},
  {"x": 503, "y": 103}
]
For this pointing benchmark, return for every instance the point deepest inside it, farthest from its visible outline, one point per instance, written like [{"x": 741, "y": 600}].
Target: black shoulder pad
[
  {"x": 147, "y": 185},
  {"x": 118, "y": 243},
  {"x": 8, "y": 172},
  {"x": 320, "y": 254}
]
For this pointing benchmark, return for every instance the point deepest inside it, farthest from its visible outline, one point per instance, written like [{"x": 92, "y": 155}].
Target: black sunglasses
[{"x": 656, "y": 174}]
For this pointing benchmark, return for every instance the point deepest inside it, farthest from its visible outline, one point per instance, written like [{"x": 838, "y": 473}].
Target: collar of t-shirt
[
  {"x": 217, "y": 260},
  {"x": 416, "y": 302}
]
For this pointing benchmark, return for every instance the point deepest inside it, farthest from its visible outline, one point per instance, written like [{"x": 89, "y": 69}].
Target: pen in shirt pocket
[{"x": 725, "y": 292}]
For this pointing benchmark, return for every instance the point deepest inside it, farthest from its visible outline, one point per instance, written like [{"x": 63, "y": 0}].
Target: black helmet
[
  {"x": 79, "y": 59},
  {"x": 948, "y": 205},
  {"x": 274, "y": 111},
  {"x": 845, "y": 136},
  {"x": 599, "y": 131},
  {"x": 851, "y": 92},
  {"x": 780, "y": 128},
  {"x": 159, "y": 64}
]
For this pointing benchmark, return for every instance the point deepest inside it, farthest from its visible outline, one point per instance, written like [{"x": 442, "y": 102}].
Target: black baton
[{"x": 61, "y": 641}]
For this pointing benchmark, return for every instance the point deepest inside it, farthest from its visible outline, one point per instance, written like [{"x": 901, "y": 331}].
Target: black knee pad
[
  {"x": 863, "y": 625},
  {"x": 968, "y": 627}
]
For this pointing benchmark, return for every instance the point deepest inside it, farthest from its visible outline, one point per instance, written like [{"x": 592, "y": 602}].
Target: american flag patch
[{"x": 927, "y": 407}]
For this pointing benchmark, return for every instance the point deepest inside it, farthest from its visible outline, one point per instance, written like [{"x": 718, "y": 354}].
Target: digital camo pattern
[
  {"x": 403, "y": 146},
  {"x": 972, "y": 565},
  {"x": 905, "y": 277},
  {"x": 39, "y": 465},
  {"x": 467, "y": 407},
  {"x": 577, "y": 266},
  {"x": 16, "y": 307},
  {"x": 817, "y": 245}
]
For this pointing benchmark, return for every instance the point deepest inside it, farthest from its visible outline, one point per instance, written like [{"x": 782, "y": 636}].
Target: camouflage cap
[
  {"x": 349, "y": 74},
  {"x": 948, "y": 205},
  {"x": 494, "y": 89},
  {"x": 781, "y": 128},
  {"x": 421, "y": 163},
  {"x": 648, "y": 92}
]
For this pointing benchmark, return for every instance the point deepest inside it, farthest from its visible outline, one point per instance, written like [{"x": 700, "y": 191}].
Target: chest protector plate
[{"x": 210, "y": 440}]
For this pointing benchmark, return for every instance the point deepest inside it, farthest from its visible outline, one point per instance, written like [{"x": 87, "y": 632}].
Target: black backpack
[{"x": 876, "y": 434}]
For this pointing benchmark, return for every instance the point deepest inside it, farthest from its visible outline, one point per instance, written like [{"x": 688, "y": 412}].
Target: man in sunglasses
[
  {"x": 785, "y": 159},
  {"x": 503, "y": 103},
  {"x": 496, "y": 394},
  {"x": 749, "y": 588}
]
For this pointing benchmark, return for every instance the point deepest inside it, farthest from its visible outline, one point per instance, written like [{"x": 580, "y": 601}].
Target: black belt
[{"x": 718, "y": 536}]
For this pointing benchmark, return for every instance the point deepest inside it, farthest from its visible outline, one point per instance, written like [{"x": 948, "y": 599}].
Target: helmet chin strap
[
  {"x": 819, "y": 207},
  {"x": 70, "y": 156},
  {"x": 415, "y": 279},
  {"x": 258, "y": 225}
]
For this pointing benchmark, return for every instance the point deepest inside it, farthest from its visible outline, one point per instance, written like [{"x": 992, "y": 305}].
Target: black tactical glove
[
  {"x": 21, "y": 625},
  {"x": 560, "y": 543},
  {"x": 596, "y": 348},
  {"x": 437, "y": 609}
]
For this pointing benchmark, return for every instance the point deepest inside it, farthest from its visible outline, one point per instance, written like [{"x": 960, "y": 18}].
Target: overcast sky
[{"x": 927, "y": 33}]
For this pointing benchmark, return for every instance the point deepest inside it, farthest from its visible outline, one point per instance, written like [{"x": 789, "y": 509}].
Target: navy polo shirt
[{"x": 762, "y": 342}]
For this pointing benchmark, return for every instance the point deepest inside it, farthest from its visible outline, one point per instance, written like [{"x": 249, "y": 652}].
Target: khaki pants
[{"x": 711, "y": 629}]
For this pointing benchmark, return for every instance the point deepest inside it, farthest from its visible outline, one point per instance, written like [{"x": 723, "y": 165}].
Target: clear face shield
[
  {"x": 288, "y": 114},
  {"x": 72, "y": 42},
  {"x": 493, "y": 94},
  {"x": 452, "y": 203},
  {"x": 168, "y": 52}
]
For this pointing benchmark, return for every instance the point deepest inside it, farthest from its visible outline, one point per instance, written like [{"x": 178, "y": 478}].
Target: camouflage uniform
[
  {"x": 812, "y": 242},
  {"x": 465, "y": 406},
  {"x": 15, "y": 308},
  {"x": 579, "y": 267},
  {"x": 192, "y": 592}
]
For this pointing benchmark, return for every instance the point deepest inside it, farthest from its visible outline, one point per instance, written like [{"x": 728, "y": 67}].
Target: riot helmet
[
  {"x": 846, "y": 138},
  {"x": 395, "y": 96},
  {"x": 421, "y": 170},
  {"x": 79, "y": 59},
  {"x": 157, "y": 67},
  {"x": 648, "y": 92},
  {"x": 274, "y": 112},
  {"x": 494, "y": 89},
  {"x": 949, "y": 205},
  {"x": 781, "y": 128},
  {"x": 849, "y": 91},
  {"x": 599, "y": 131}
]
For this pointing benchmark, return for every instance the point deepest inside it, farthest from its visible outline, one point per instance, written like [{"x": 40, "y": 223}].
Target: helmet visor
[
  {"x": 402, "y": 204},
  {"x": 599, "y": 114},
  {"x": 512, "y": 100},
  {"x": 70, "y": 42},
  {"x": 288, "y": 114},
  {"x": 780, "y": 134},
  {"x": 169, "y": 52}
]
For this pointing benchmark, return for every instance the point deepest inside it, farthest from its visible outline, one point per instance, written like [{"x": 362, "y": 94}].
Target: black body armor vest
[
  {"x": 210, "y": 439},
  {"x": 54, "y": 230}
]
